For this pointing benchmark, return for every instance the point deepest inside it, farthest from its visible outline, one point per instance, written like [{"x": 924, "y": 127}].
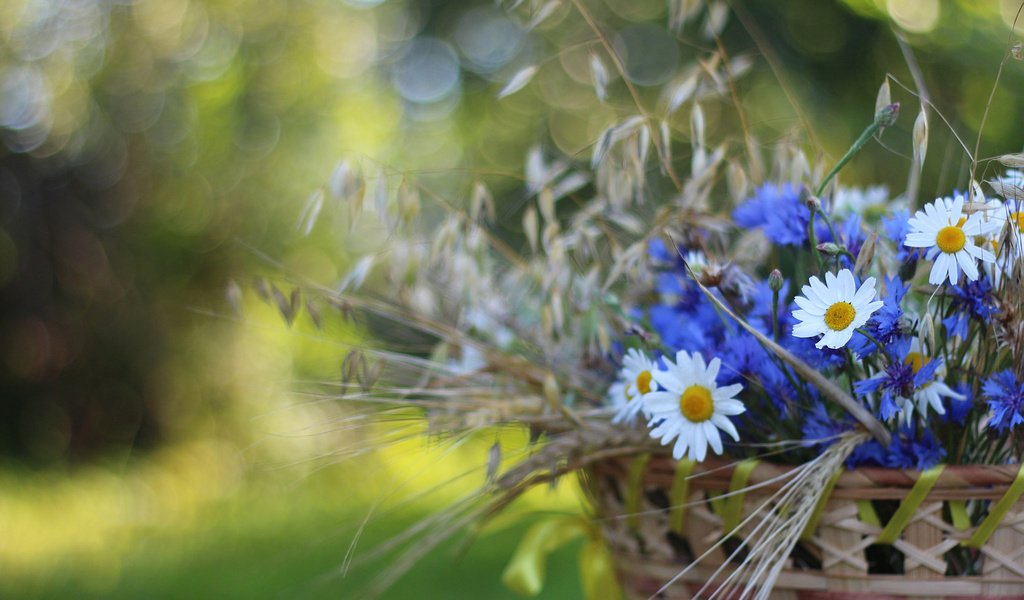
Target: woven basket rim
[{"x": 718, "y": 470}]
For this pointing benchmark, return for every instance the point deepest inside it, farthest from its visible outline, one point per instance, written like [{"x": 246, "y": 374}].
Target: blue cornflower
[
  {"x": 777, "y": 209},
  {"x": 908, "y": 377},
  {"x": 677, "y": 328},
  {"x": 822, "y": 359},
  {"x": 896, "y": 228},
  {"x": 742, "y": 356},
  {"x": 973, "y": 299},
  {"x": 958, "y": 409},
  {"x": 851, "y": 234},
  {"x": 884, "y": 325},
  {"x": 658, "y": 252},
  {"x": 1005, "y": 396},
  {"x": 821, "y": 428},
  {"x": 909, "y": 449}
]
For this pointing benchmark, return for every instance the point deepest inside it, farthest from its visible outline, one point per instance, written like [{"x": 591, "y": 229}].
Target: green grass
[
  {"x": 298, "y": 560},
  {"x": 267, "y": 538}
]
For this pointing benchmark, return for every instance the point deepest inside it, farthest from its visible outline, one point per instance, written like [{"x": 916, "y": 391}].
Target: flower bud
[
  {"x": 830, "y": 248},
  {"x": 775, "y": 280},
  {"x": 813, "y": 203},
  {"x": 886, "y": 117}
]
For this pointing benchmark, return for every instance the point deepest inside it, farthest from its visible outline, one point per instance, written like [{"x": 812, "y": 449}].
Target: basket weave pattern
[{"x": 653, "y": 539}]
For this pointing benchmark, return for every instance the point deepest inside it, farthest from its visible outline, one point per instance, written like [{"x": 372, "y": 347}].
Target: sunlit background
[{"x": 156, "y": 156}]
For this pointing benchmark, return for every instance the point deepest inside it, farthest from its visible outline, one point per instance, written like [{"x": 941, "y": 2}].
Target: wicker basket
[{"x": 657, "y": 519}]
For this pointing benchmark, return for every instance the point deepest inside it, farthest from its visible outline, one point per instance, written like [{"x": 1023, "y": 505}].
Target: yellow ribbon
[
  {"x": 525, "y": 572},
  {"x": 680, "y": 495},
  {"x": 958, "y": 514},
  {"x": 635, "y": 490},
  {"x": 730, "y": 508},
  {"x": 901, "y": 518},
  {"x": 996, "y": 514}
]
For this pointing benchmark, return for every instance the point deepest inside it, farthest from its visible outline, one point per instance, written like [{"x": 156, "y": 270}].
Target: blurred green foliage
[{"x": 154, "y": 151}]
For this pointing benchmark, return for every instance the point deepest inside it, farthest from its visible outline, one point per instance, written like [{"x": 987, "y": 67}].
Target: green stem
[
  {"x": 883, "y": 118},
  {"x": 811, "y": 235},
  {"x": 864, "y": 332},
  {"x": 775, "y": 315}
]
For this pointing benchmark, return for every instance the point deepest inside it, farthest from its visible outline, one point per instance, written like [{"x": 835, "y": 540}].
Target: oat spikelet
[{"x": 780, "y": 519}]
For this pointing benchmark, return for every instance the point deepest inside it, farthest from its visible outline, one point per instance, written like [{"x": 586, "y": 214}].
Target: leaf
[
  {"x": 600, "y": 76},
  {"x": 518, "y": 81}
]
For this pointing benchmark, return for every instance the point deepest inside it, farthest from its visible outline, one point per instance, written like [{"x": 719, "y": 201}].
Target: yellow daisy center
[
  {"x": 696, "y": 404},
  {"x": 643, "y": 382},
  {"x": 950, "y": 239},
  {"x": 1018, "y": 218},
  {"x": 839, "y": 316},
  {"x": 916, "y": 360}
]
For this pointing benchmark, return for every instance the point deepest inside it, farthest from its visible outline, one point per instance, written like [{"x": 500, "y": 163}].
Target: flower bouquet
[{"x": 767, "y": 383}]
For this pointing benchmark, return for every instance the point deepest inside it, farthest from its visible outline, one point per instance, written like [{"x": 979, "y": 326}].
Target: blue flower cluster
[
  {"x": 884, "y": 343},
  {"x": 1005, "y": 396},
  {"x": 779, "y": 212}
]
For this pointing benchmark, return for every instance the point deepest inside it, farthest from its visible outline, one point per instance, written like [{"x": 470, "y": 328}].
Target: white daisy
[
  {"x": 634, "y": 382},
  {"x": 697, "y": 261},
  {"x": 692, "y": 408},
  {"x": 929, "y": 394},
  {"x": 1011, "y": 214},
  {"x": 1005, "y": 223},
  {"x": 949, "y": 236},
  {"x": 834, "y": 308},
  {"x": 862, "y": 201}
]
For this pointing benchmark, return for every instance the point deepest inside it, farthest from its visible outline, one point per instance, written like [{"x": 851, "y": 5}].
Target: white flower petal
[
  {"x": 726, "y": 425},
  {"x": 711, "y": 433},
  {"x": 668, "y": 380}
]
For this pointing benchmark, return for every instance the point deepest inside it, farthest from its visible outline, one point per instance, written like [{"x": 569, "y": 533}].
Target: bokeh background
[{"x": 157, "y": 434}]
